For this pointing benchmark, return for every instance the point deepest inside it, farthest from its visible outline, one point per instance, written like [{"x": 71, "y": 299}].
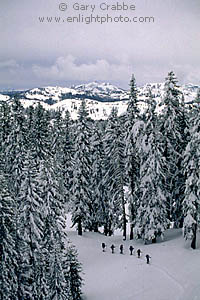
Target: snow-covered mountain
[{"x": 100, "y": 97}]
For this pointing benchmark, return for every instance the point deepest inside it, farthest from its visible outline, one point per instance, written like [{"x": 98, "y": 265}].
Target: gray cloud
[
  {"x": 66, "y": 68},
  {"x": 34, "y": 53},
  {"x": 8, "y": 64}
]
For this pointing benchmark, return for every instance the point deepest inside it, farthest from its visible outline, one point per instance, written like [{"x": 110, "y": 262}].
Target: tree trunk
[
  {"x": 105, "y": 230},
  {"x": 124, "y": 227},
  {"x": 124, "y": 216},
  {"x": 193, "y": 243},
  {"x": 110, "y": 232},
  {"x": 154, "y": 240},
  {"x": 124, "y": 231},
  {"x": 131, "y": 232},
  {"x": 181, "y": 222},
  {"x": 95, "y": 227},
  {"x": 79, "y": 227},
  {"x": 132, "y": 217}
]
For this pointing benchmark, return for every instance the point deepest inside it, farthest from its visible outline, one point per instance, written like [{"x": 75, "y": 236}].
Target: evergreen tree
[
  {"x": 151, "y": 217},
  {"x": 72, "y": 276},
  {"x": 97, "y": 187},
  {"x": 30, "y": 228},
  {"x": 39, "y": 133},
  {"x": 114, "y": 175},
  {"x": 132, "y": 110},
  {"x": 5, "y": 127},
  {"x": 32, "y": 208},
  {"x": 12, "y": 162},
  {"x": 191, "y": 203},
  {"x": 81, "y": 207},
  {"x": 57, "y": 283},
  {"x": 133, "y": 128},
  {"x": 173, "y": 125},
  {"x": 8, "y": 256},
  {"x": 15, "y": 148},
  {"x": 67, "y": 158},
  {"x": 197, "y": 99}
]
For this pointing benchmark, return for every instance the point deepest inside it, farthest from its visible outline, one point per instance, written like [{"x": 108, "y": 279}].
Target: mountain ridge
[{"x": 100, "y": 97}]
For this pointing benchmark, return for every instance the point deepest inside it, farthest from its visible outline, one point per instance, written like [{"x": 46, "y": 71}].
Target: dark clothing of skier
[
  {"x": 131, "y": 250},
  {"x": 103, "y": 246},
  {"x": 121, "y": 248},
  {"x": 112, "y": 248},
  {"x": 148, "y": 258},
  {"x": 139, "y": 253}
]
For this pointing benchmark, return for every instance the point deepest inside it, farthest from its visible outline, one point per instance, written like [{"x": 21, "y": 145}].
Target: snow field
[{"x": 173, "y": 273}]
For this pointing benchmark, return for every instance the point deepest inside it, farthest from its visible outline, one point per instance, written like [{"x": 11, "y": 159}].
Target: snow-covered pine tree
[
  {"x": 133, "y": 126},
  {"x": 5, "y": 128},
  {"x": 57, "y": 132},
  {"x": 58, "y": 288},
  {"x": 67, "y": 159},
  {"x": 26, "y": 147},
  {"x": 8, "y": 255},
  {"x": 39, "y": 132},
  {"x": 132, "y": 110},
  {"x": 30, "y": 227},
  {"x": 72, "y": 273},
  {"x": 12, "y": 162},
  {"x": 81, "y": 207},
  {"x": 151, "y": 217},
  {"x": 56, "y": 152},
  {"x": 15, "y": 148},
  {"x": 197, "y": 99},
  {"x": 113, "y": 181},
  {"x": 63, "y": 268},
  {"x": 97, "y": 187},
  {"x": 191, "y": 203},
  {"x": 5, "y": 125},
  {"x": 55, "y": 284},
  {"x": 172, "y": 127},
  {"x": 52, "y": 207}
]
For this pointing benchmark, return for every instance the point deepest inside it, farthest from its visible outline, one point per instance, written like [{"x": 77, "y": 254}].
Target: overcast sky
[{"x": 34, "y": 53}]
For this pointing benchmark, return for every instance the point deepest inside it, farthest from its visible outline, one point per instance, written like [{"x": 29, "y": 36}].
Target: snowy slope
[
  {"x": 55, "y": 93},
  {"x": 173, "y": 274},
  {"x": 97, "y": 110},
  {"x": 4, "y": 97},
  {"x": 104, "y": 90}
]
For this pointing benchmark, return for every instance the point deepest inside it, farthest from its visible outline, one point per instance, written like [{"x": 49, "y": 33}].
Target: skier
[
  {"x": 121, "y": 248},
  {"x": 103, "y": 246},
  {"x": 112, "y": 248},
  {"x": 139, "y": 253},
  {"x": 148, "y": 258},
  {"x": 131, "y": 250}
]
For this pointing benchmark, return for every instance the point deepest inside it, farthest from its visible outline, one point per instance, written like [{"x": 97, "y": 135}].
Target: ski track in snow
[
  {"x": 172, "y": 274},
  {"x": 169, "y": 276},
  {"x": 143, "y": 289}
]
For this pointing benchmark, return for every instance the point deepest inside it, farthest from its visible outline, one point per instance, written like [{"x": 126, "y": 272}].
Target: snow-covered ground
[
  {"x": 173, "y": 273},
  {"x": 4, "y": 97}
]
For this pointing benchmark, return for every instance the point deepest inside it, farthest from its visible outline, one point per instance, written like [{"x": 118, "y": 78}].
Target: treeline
[{"x": 51, "y": 165}]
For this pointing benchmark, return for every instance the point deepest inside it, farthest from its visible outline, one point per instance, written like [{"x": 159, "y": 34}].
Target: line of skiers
[{"x": 121, "y": 249}]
